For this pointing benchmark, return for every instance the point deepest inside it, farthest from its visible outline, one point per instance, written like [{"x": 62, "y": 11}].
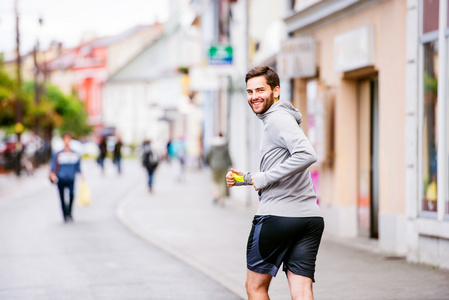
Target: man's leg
[
  {"x": 61, "y": 187},
  {"x": 150, "y": 179},
  {"x": 71, "y": 195},
  {"x": 257, "y": 285},
  {"x": 300, "y": 286}
]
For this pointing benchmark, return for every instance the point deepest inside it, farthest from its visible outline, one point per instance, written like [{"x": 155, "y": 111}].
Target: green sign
[{"x": 220, "y": 55}]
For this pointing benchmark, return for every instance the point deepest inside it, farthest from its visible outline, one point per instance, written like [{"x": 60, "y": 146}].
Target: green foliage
[
  {"x": 430, "y": 83},
  {"x": 55, "y": 109},
  {"x": 7, "y": 100},
  {"x": 74, "y": 116}
]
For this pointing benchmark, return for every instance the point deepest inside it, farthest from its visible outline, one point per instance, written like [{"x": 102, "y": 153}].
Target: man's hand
[
  {"x": 230, "y": 180},
  {"x": 53, "y": 177}
]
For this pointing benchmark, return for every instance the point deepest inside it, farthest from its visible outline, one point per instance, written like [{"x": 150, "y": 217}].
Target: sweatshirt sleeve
[
  {"x": 286, "y": 133},
  {"x": 53, "y": 162},
  {"x": 78, "y": 166}
]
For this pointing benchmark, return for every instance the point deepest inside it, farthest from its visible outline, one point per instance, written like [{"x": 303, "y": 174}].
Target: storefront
[
  {"x": 427, "y": 132},
  {"x": 355, "y": 103}
]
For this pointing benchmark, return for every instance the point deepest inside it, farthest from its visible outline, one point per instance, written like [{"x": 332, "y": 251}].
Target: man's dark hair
[
  {"x": 270, "y": 74},
  {"x": 67, "y": 133}
]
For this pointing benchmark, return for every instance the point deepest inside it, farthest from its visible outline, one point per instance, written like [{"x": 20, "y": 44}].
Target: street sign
[{"x": 220, "y": 55}]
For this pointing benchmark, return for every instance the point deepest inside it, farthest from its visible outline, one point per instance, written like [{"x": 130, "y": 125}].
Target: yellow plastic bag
[{"x": 84, "y": 197}]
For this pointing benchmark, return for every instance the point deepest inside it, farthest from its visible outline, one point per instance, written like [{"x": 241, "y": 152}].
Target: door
[{"x": 368, "y": 204}]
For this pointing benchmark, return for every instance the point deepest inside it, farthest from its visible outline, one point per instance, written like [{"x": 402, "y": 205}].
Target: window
[
  {"x": 429, "y": 126},
  {"x": 429, "y": 41}
]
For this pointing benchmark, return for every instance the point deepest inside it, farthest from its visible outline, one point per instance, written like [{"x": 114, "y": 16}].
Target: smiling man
[{"x": 288, "y": 225}]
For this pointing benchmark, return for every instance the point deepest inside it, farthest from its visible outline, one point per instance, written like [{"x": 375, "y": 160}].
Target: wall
[{"x": 389, "y": 20}]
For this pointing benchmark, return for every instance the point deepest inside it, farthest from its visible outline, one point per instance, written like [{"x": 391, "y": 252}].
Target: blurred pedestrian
[
  {"x": 288, "y": 225},
  {"x": 150, "y": 161},
  {"x": 179, "y": 158},
  {"x": 169, "y": 151},
  {"x": 64, "y": 166},
  {"x": 219, "y": 161},
  {"x": 103, "y": 152},
  {"x": 117, "y": 157}
]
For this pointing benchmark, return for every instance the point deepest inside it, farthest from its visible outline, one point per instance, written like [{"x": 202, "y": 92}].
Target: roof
[
  {"x": 147, "y": 65},
  {"x": 70, "y": 58}
]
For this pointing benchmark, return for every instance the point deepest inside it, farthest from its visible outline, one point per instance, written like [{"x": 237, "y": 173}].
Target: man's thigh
[
  {"x": 303, "y": 251},
  {"x": 256, "y": 280}
]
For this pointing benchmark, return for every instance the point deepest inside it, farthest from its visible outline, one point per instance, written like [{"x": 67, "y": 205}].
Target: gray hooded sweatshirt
[{"x": 284, "y": 182}]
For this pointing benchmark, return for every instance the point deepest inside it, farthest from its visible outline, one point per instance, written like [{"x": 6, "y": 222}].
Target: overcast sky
[{"x": 68, "y": 20}]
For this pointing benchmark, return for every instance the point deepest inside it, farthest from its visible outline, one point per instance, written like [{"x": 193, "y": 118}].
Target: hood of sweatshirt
[{"x": 285, "y": 106}]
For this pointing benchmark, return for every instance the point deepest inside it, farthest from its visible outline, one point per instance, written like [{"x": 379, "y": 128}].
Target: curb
[{"x": 190, "y": 260}]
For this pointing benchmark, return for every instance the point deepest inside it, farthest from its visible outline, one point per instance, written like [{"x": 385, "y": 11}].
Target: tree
[{"x": 55, "y": 109}]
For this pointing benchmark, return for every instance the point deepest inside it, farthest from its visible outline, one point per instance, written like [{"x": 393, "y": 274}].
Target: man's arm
[
  {"x": 53, "y": 176},
  {"x": 53, "y": 163},
  {"x": 286, "y": 133}
]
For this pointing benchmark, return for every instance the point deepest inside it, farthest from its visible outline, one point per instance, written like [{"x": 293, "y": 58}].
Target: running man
[{"x": 288, "y": 224}]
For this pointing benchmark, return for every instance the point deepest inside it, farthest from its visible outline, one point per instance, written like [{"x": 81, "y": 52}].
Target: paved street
[
  {"x": 171, "y": 244},
  {"x": 93, "y": 258}
]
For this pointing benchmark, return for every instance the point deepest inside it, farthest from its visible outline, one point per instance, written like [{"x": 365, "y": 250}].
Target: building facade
[
  {"x": 427, "y": 132},
  {"x": 85, "y": 69},
  {"x": 372, "y": 79},
  {"x": 347, "y": 63}
]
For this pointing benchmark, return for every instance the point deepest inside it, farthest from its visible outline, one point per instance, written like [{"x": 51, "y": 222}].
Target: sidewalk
[
  {"x": 181, "y": 219},
  {"x": 13, "y": 186}
]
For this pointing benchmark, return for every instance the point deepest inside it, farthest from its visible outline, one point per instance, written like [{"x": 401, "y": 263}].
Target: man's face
[
  {"x": 260, "y": 95},
  {"x": 66, "y": 138}
]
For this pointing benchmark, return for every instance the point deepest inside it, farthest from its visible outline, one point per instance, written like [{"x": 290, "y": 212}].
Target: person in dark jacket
[
  {"x": 150, "y": 161},
  {"x": 103, "y": 152},
  {"x": 219, "y": 160},
  {"x": 117, "y": 157},
  {"x": 64, "y": 166}
]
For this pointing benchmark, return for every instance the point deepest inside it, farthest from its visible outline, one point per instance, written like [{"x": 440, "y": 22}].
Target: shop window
[{"x": 429, "y": 126}]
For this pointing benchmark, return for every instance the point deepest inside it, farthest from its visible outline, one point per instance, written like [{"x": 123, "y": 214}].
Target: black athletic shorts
[{"x": 293, "y": 241}]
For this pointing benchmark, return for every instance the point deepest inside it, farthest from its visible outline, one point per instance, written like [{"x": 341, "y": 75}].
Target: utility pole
[
  {"x": 19, "y": 113},
  {"x": 19, "y": 67},
  {"x": 37, "y": 84}
]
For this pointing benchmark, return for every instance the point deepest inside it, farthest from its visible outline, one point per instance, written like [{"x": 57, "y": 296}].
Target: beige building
[
  {"x": 371, "y": 78},
  {"x": 427, "y": 132},
  {"x": 347, "y": 61}
]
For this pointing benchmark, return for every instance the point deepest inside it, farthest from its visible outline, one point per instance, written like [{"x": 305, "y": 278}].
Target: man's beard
[{"x": 266, "y": 104}]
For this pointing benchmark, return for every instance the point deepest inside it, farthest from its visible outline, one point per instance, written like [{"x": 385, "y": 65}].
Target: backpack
[{"x": 150, "y": 160}]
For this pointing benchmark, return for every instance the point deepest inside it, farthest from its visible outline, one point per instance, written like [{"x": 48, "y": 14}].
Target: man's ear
[{"x": 276, "y": 92}]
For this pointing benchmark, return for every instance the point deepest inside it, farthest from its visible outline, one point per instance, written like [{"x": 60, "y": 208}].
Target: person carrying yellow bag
[{"x": 65, "y": 164}]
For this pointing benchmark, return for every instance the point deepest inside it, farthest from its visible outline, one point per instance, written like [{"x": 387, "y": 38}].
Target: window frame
[
  {"x": 442, "y": 123},
  {"x": 446, "y": 125}
]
